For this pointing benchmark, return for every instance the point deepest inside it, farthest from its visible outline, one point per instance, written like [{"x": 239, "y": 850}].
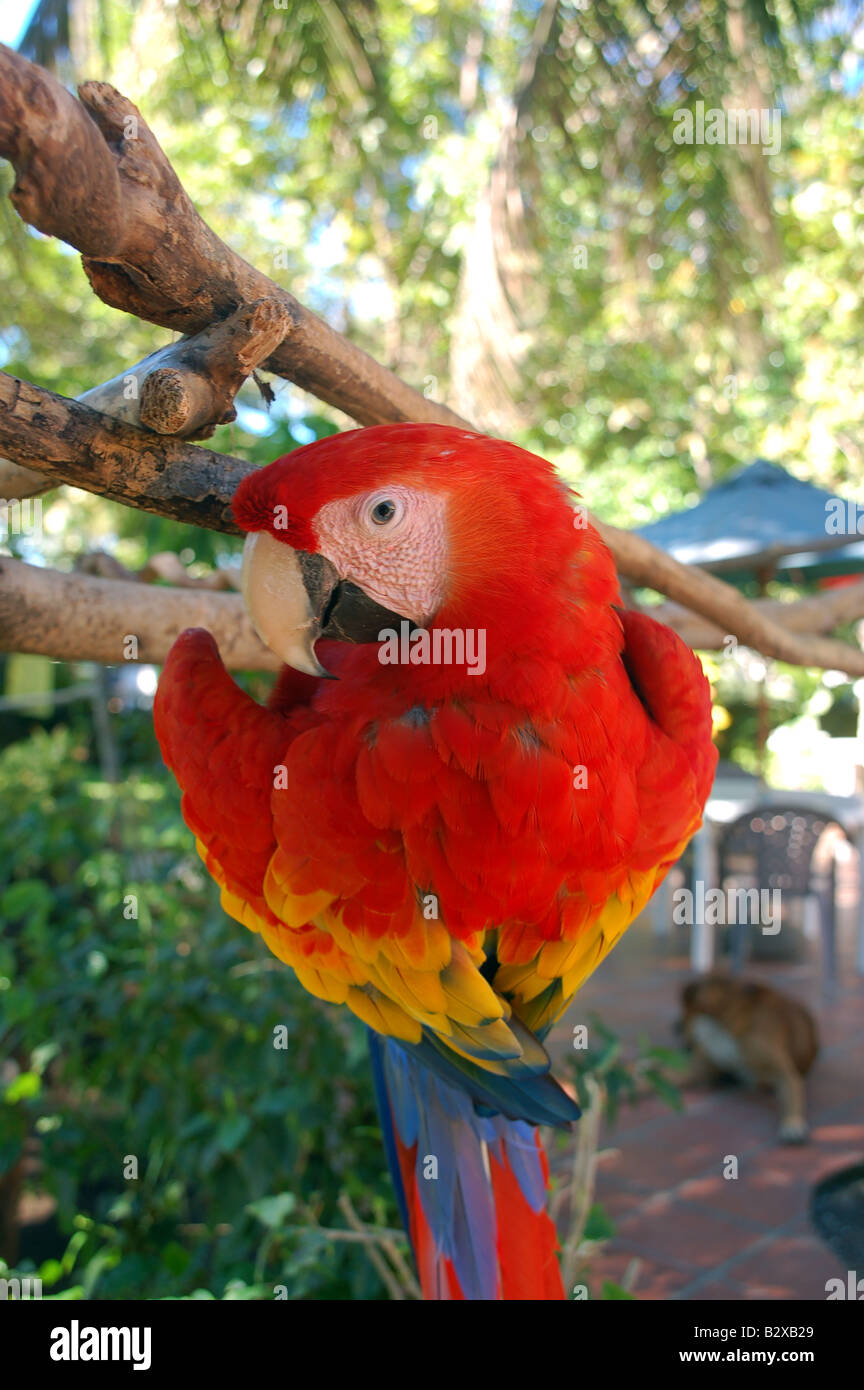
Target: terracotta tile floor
[{"x": 696, "y": 1234}]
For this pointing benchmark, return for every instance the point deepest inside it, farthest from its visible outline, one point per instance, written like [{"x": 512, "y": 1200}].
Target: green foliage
[
  {"x": 152, "y": 1038},
  {"x": 615, "y": 1291},
  {"x": 676, "y": 310},
  {"x": 608, "y": 1075},
  {"x": 679, "y": 308},
  {"x": 622, "y": 1077}
]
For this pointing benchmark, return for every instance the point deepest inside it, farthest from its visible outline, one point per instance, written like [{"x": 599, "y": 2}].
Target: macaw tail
[{"x": 471, "y": 1187}]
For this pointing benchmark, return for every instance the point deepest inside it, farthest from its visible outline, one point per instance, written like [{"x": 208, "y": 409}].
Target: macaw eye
[
  {"x": 385, "y": 510},
  {"x": 381, "y": 514}
]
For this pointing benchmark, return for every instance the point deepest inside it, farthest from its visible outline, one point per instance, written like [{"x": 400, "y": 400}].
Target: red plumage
[{"x": 535, "y": 804}]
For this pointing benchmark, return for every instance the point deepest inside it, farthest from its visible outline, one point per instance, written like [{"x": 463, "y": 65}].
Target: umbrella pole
[
  {"x": 763, "y": 719},
  {"x": 762, "y": 731}
]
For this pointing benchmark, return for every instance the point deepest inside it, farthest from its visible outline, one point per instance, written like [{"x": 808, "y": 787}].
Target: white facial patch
[{"x": 392, "y": 543}]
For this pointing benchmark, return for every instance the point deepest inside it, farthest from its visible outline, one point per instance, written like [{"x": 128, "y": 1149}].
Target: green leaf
[
  {"x": 669, "y": 1057},
  {"x": 25, "y": 1086},
  {"x": 615, "y": 1291},
  {"x": 665, "y": 1089},
  {"x": 597, "y": 1225},
  {"x": 28, "y": 895},
  {"x": 175, "y": 1258},
  {"x": 273, "y": 1211},
  {"x": 50, "y": 1271},
  {"x": 231, "y": 1132}
]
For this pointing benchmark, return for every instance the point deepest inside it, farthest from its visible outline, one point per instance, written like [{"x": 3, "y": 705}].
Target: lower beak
[{"x": 294, "y": 597}]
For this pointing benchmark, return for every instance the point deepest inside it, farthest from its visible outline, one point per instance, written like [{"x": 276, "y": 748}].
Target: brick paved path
[{"x": 696, "y": 1234}]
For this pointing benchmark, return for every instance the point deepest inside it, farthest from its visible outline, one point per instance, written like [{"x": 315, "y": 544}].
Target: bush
[{"x": 188, "y": 1154}]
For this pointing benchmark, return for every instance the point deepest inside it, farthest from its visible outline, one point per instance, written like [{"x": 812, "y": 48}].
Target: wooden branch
[
  {"x": 187, "y": 388},
  {"x": 820, "y": 613},
  {"x": 92, "y": 173},
  {"x": 156, "y": 473},
  {"x": 164, "y": 567},
  {"x": 398, "y": 1278},
  {"x": 16, "y": 482},
  {"x": 188, "y": 483},
  {"x": 87, "y": 615},
  {"x": 75, "y": 617},
  {"x": 702, "y": 593}
]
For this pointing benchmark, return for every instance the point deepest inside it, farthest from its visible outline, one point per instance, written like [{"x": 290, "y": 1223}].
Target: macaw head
[{"x": 428, "y": 524}]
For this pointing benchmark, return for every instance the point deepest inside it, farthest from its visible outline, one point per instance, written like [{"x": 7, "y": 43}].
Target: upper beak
[
  {"x": 294, "y": 597},
  {"x": 285, "y": 606}
]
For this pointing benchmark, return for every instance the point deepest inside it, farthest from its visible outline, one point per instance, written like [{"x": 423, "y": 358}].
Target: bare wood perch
[
  {"x": 155, "y": 473},
  {"x": 196, "y": 485},
  {"x": 187, "y": 388},
  {"x": 17, "y": 482},
  {"x": 166, "y": 566},
  {"x": 702, "y": 593},
  {"x": 85, "y": 616},
  {"x": 92, "y": 173},
  {"x": 821, "y": 613},
  {"x": 75, "y": 617}
]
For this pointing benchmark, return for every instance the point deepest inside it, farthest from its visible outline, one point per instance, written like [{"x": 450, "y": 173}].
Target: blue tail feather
[{"x": 419, "y": 1107}]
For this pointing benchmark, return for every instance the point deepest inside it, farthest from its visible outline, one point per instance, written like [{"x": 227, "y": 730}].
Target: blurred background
[{"x": 490, "y": 199}]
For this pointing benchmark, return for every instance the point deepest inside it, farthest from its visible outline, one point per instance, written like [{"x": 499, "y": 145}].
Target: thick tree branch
[
  {"x": 74, "y": 617},
  {"x": 819, "y": 614},
  {"x": 156, "y": 473},
  {"x": 188, "y": 483},
  {"x": 702, "y": 593},
  {"x": 17, "y": 482},
  {"x": 87, "y": 617},
  {"x": 92, "y": 173},
  {"x": 165, "y": 566},
  {"x": 187, "y": 388}
]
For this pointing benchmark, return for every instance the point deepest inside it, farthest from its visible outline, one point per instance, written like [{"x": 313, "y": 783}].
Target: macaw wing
[
  {"x": 367, "y": 927},
  {"x": 275, "y": 799},
  {"x": 543, "y": 966},
  {"x": 382, "y": 859},
  {"x": 225, "y": 751}
]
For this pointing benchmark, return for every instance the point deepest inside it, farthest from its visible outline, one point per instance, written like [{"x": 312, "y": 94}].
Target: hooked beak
[{"x": 294, "y": 597}]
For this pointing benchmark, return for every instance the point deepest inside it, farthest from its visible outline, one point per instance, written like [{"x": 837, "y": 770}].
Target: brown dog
[{"x": 758, "y": 1035}]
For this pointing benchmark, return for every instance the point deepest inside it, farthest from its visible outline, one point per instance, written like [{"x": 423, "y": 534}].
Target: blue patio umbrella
[{"x": 758, "y": 520}]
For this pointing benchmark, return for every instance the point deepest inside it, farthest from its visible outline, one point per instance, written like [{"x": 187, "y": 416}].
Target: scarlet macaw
[{"x": 447, "y": 850}]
